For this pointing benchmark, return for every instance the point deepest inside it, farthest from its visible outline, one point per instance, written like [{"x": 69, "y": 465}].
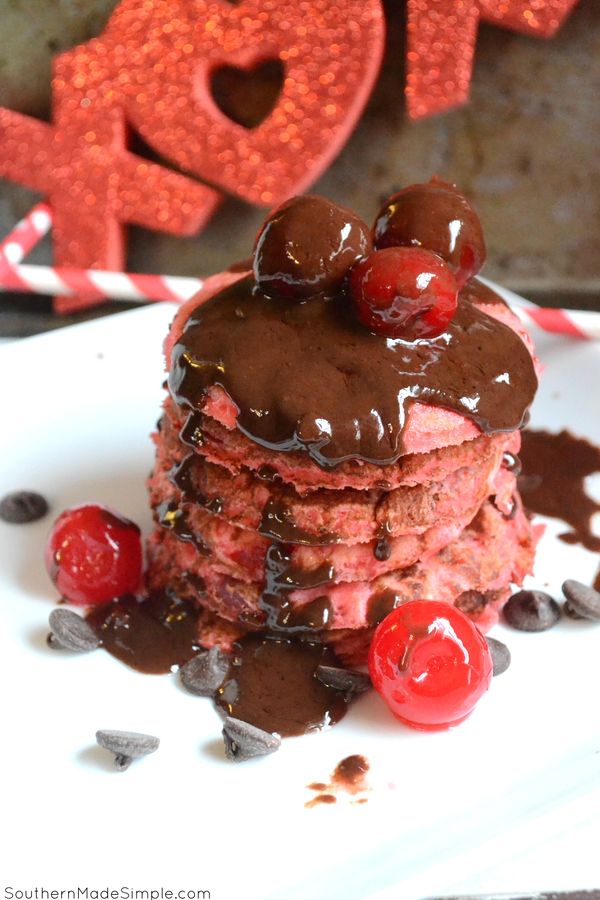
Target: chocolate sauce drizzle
[
  {"x": 282, "y": 577},
  {"x": 308, "y": 376},
  {"x": 278, "y": 524},
  {"x": 172, "y": 516}
]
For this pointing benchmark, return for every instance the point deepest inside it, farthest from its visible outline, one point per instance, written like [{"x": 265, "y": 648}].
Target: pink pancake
[
  {"x": 324, "y": 516},
  {"x": 235, "y": 452},
  {"x": 488, "y": 555}
]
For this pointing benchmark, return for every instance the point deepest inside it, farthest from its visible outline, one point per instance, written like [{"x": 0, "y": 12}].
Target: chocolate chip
[
  {"x": 583, "y": 602},
  {"x": 382, "y": 550},
  {"x": 532, "y": 611},
  {"x": 349, "y": 680},
  {"x": 500, "y": 655},
  {"x": 203, "y": 674},
  {"x": 127, "y": 745},
  {"x": 22, "y": 507},
  {"x": 244, "y": 741},
  {"x": 69, "y": 631}
]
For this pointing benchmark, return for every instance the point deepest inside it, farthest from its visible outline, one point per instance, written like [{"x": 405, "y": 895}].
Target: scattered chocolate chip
[
  {"x": 127, "y": 745},
  {"x": 69, "y": 631},
  {"x": 500, "y": 655},
  {"x": 244, "y": 741},
  {"x": 203, "y": 674},
  {"x": 22, "y": 507},
  {"x": 583, "y": 602},
  {"x": 532, "y": 611},
  {"x": 350, "y": 681}
]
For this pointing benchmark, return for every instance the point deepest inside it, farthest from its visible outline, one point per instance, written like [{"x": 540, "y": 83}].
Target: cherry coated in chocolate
[
  {"x": 307, "y": 247},
  {"x": 436, "y": 216}
]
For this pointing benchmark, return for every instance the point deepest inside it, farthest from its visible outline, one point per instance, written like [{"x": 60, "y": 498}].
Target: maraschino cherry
[
  {"x": 430, "y": 663},
  {"x": 94, "y": 555},
  {"x": 404, "y": 292}
]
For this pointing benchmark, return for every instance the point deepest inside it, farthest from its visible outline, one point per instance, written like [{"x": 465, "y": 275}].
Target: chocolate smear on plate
[
  {"x": 552, "y": 483},
  {"x": 555, "y": 467},
  {"x": 272, "y": 684},
  {"x": 151, "y": 634},
  {"x": 349, "y": 776}
]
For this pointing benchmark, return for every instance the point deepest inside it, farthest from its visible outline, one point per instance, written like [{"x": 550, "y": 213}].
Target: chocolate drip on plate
[
  {"x": 308, "y": 376},
  {"x": 152, "y": 634},
  {"x": 553, "y": 481},
  {"x": 271, "y": 684}
]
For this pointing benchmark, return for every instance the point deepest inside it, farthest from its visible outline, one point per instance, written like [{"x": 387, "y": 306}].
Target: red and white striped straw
[
  {"x": 25, "y": 235},
  {"x": 56, "y": 280},
  {"x": 577, "y": 323},
  {"x": 124, "y": 286}
]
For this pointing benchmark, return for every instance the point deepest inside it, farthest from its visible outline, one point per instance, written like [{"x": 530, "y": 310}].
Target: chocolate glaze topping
[{"x": 308, "y": 376}]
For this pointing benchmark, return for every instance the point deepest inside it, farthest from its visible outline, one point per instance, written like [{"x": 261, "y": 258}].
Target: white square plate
[{"x": 445, "y": 810}]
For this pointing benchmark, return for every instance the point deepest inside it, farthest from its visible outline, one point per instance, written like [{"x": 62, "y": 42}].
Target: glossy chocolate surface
[
  {"x": 307, "y": 246},
  {"x": 272, "y": 684},
  {"x": 307, "y": 376},
  {"x": 152, "y": 634},
  {"x": 435, "y": 216}
]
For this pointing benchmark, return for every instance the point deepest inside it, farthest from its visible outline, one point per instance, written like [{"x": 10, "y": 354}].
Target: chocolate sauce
[
  {"x": 152, "y": 634},
  {"x": 282, "y": 577},
  {"x": 277, "y": 523},
  {"x": 181, "y": 476},
  {"x": 554, "y": 469},
  {"x": 308, "y": 376},
  {"x": 267, "y": 473},
  {"x": 349, "y": 776},
  {"x": 172, "y": 517},
  {"x": 350, "y": 773},
  {"x": 435, "y": 215},
  {"x": 271, "y": 683},
  {"x": 381, "y": 605},
  {"x": 191, "y": 434}
]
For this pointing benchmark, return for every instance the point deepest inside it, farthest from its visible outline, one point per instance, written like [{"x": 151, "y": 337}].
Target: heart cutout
[
  {"x": 247, "y": 96},
  {"x": 331, "y": 51}
]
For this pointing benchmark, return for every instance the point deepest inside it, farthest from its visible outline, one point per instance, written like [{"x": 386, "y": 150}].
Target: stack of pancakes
[{"x": 268, "y": 539}]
